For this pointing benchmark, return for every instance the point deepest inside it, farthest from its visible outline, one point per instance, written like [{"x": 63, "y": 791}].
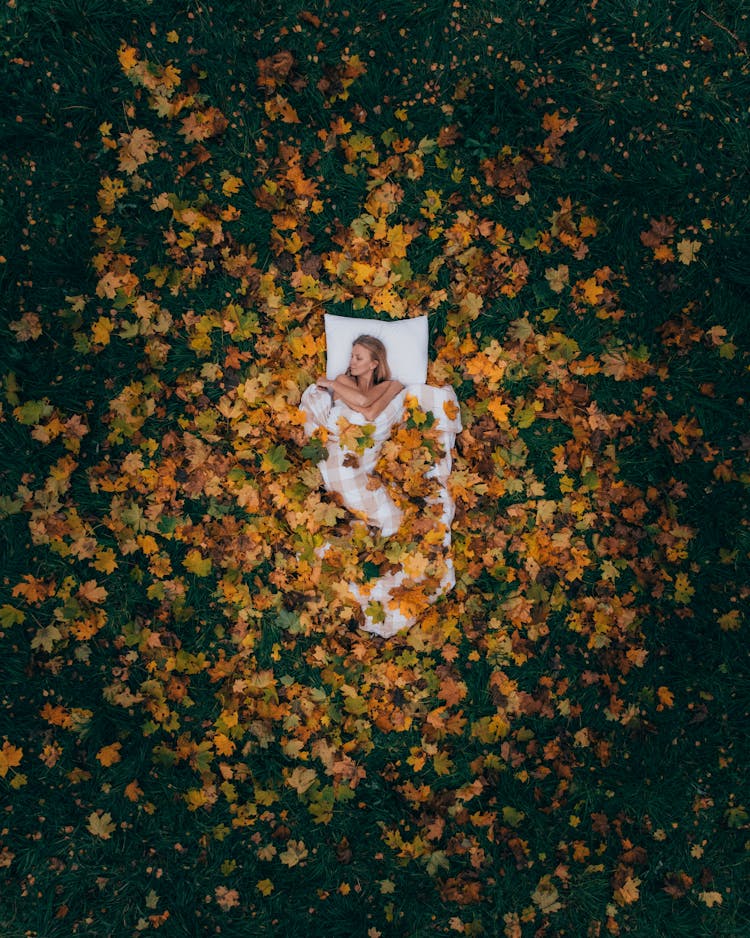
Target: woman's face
[{"x": 361, "y": 363}]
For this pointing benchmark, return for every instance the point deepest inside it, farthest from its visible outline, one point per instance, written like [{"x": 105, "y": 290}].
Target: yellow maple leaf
[
  {"x": 711, "y": 898},
  {"x": 223, "y": 745},
  {"x": 232, "y": 185},
  {"x": 10, "y": 757},
  {"x": 105, "y": 560},
  {"x": 687, "y": 250},
  {"x": 195, "y": 563},
  {"x": 628, "y": 892},
  {"x": 101, "y": 331},
  {"x": 499, "y": 411},
  {"x": 295, "y": 852},
  {"x": 128, "y": 57},
  {"x": 265, "y": 887},
  {"x": 109, "y": 755},
  {"x": 101, "y": 825},
  {"x": 592, "y": 291},
  {"x": 414, "y": 565},
  {"x": 279, "y": 107}
]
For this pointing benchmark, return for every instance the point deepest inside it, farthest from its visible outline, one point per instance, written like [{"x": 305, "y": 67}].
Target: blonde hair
[{"x": 376, "y": 348}]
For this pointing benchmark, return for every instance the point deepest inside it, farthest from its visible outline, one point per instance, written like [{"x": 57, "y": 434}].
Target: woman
[
  {"x": 366, "y": 393},
  {"x": 366, "y": 386}
]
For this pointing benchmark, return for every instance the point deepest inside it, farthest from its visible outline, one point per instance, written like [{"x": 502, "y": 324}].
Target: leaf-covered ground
[{"x": 195, "y": 737}]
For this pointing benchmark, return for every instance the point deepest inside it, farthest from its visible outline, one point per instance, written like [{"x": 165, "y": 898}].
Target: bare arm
[
  {"x": 385, "y": 392},
  {"x": 368, "y": 403}
]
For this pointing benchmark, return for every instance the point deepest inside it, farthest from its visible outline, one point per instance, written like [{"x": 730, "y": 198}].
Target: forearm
[
  {"x": 349, "y": 395},
  {"x": 386, "y": 392}
]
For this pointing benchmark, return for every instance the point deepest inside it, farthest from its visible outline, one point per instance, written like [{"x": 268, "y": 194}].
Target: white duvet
[{"x": 389, "y": 601}]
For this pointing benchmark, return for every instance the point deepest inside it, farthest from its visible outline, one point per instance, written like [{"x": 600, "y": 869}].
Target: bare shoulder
[{"x": 347, "y": 380}]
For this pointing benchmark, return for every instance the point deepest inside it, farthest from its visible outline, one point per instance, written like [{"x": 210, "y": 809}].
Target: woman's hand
[{"x": 324, "y": 383}]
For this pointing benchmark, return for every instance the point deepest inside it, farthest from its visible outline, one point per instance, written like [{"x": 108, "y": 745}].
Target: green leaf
[
  {"x": 32, "y": 412},
  {"x": 314, "y": 450},
  {"x": 275, "y": 459},
  {"x": 10, "y": 506},
  {"x": 194, "y": 563},
  {"x": 9, "y": 616}
]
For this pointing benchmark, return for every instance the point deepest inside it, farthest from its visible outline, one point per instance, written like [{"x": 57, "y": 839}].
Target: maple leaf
[
  {"x": 109, "y": 755},
  {"x": 546, "y": 896},
  {"x": 275, "y": 459},
  {"x": 226, "y": 898},
  {"x": 28, "y": 327},
  {"x": 295, "y": 853},
  {"x": 133, "y": 791},
  {"x": 46, "y": 637},
  {"x": 10, "y": 757},
  {"x": 729, "y": 622},
  {"x": 301, "y": 779},
  {"x": 33, "y": 590},
  {"x": 91, "y": 591},
  {"x": 106, "y": 561},
  {"x": 136, "y": 148},
  {"x": 557, "y": 277},
  {"x": 499, "y": 411},
  {"x": 265, "y": 887},
  {"x": 687, "y": 250},
  {"x": 9, "y": 616},
  {"x": 274, "y": 70},
  {"x": 201, "y": 125},
  {"x": 592, "y": 291},
  {"x": 128, "y": 57},
  {"x": 414, "y": 565},
  {"x": 711, "y": 898},
  {"x": 101, "y": 825},
  {"x": 231, "y": 185},
  {"x": 279, "y": 108},
  {"x": 224, "y": 745},
  {"x": 666, "y": 697},
  {"x": 628, "y": 892},
  {"x": 101, "y": 331},
  {"x": 195, "y": 563}
]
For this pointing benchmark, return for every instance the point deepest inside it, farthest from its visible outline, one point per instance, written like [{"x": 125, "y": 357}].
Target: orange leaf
[
  {"x": 91, "y": 591},
  {"x": 109, "y": 755},
  {"x": 33, "y": 590},
  {"x": 628, "y": 892},
  {"x": 10, "y": 757},
  {"x": 128, "y": 58},
  {"x": 133, "y": 791}
]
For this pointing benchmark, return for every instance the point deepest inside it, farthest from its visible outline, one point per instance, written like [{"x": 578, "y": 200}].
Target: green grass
[{"x": 614, "y": 801}]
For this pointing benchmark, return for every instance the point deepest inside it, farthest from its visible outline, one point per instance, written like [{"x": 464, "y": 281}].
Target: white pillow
[{"x": 406, "y": 343}]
